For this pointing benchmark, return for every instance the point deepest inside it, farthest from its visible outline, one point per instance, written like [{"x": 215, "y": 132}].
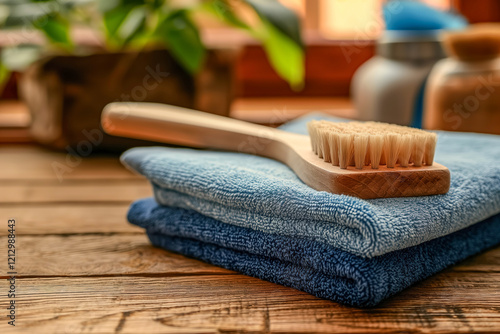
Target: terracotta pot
[{"x": 66, "y": 94}]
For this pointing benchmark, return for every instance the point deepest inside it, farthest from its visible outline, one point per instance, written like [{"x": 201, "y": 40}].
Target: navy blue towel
[{"x": 303, "y": 263}]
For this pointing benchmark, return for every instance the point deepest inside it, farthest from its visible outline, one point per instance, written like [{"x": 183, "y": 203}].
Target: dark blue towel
[{"x": 305, "y": 264}]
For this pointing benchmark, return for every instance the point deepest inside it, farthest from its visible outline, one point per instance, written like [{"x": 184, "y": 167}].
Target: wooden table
[{"x": 83, "y": 269}]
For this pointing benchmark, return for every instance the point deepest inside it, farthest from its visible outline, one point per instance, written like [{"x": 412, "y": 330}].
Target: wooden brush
[{"x": 366, "y": 160}]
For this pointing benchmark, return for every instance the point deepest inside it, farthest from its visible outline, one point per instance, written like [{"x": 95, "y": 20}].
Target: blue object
[
  {"x": 304, "y": 264},
  {"x": 414, "y": 15},
  {"x": 418, "y": 111},
  {"x": 265, "y": 195}
]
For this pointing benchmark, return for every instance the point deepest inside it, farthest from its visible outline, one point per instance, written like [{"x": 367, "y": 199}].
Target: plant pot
[{"x": 66, "y": 94}]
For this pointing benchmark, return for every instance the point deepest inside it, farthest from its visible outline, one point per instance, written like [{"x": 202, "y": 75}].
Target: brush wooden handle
[
  {"x": 181, "y": 126},
  {"x": 175, "y": 125}
]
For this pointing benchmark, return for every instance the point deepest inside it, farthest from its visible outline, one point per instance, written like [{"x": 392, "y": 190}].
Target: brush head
[
  {"x": 372, "y": 144},
  {"x": 479, "y": 42}
]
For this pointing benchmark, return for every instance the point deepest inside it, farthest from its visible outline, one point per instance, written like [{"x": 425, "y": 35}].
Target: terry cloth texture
[
  {"x": 264, "y": 195},
  {"x": 304, "y": 264}
]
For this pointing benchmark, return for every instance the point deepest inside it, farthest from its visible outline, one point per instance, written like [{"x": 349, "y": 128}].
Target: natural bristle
[{"x": 371, "y": 144}]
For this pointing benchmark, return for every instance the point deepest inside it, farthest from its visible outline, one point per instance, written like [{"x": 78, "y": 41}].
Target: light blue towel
[{"x": 265, "y": 195}]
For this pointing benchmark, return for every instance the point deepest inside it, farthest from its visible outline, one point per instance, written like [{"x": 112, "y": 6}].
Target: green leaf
[
  {"x": 282, "y": 17},
  {"x": 132, "y": 24},
  {"x": 114, "y": 18},
  {"x": 4, "y": 76},
  {"x": 286, "y": 57},
  {"x": 4, "y": 15},
  {"x": 124, "y": 23},
  {"x": 22, "y": 13},
  {"x": 13, "y": 2},
  {"x": 156, "y": 3},
  {"x": 56, "y": 29},
  {"x": 223, "y": 11},
  {"x": 107, "y": 5},
  {"x": 133, "y": 2},
  {"x": 181, "y": 35},
  {"x": 18, "y": 58}
]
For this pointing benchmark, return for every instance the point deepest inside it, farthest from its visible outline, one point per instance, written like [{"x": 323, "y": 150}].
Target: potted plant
[{"x": 146, "y": 50}]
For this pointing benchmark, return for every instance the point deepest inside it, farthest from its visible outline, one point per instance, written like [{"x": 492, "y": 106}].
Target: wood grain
[
  {"x": 99, "y": 255},
  {"x": 236, "y": 303},
  {"x": 74, "y": 191},
  {"x": 68, "y": 218},
  {"x": 33, "y": 163}
]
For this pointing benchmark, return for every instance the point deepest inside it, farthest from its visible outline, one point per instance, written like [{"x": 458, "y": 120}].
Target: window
[{"x": 347, "y": 19}]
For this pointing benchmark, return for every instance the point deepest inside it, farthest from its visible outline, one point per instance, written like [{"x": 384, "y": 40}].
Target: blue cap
[{"x": 410, "y": 15}]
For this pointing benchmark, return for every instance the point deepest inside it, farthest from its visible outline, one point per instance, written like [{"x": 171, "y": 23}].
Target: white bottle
[{"x": 389, "y": 87}]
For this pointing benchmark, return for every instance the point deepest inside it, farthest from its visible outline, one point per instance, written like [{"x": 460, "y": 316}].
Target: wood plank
[
  {"x": 452, "y": 303},
  {"x": 35, "y": 163},
  {"x": 276, "y": 111},
  {"x": 488, "y": 261},
  {"x": 16, "y": 136},
  {"x": 99, "y": 255},
  {"x": 14, "y": 114},
  {"x": 75, "y": 191},
  {"x": 41, "y": 218}
]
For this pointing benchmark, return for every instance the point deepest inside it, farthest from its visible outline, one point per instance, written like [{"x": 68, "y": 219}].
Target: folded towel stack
[{"x": 253, "y": 215}]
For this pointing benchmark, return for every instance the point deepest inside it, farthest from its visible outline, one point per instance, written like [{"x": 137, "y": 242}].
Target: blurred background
[{"x": 261, "y": 61}]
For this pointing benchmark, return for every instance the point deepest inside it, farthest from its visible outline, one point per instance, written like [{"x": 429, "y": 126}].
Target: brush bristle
[{"x": 371, "y": 144}]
